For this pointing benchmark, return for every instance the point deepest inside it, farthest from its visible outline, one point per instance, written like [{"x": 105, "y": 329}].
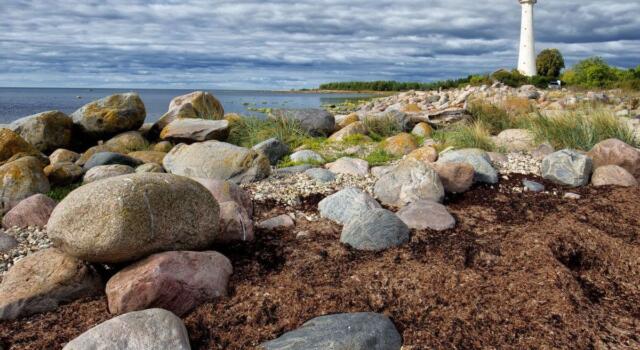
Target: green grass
[
  {"x": 495, "y": 119},
  {"x": 379, "y": 157},
  {"x": 468, "y": 135},
  {"x": 356, "y": 139},
  {"x": 287, "y": 162},
  {"x": 60, "y": 192},
  {"x": 381, "y": 128},
  {"x": 249, "y": 131}
]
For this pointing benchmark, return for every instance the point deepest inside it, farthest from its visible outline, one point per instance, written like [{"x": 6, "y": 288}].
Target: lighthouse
[{"x": 527, "y": 59}]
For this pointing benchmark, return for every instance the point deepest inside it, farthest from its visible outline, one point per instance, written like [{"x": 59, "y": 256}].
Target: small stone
[
  {"x": 102, "y": 172},
  {"x": 571, "y": 195},
  {"x": 399, "y": 145},
  {"x": 321, "y": 175},
  {"x": 422, "y": 129},
  {"x": 7, "y": 243},
  {"x": 374, "y": 230},
  {"x": 279, "y": 222},
  {"x": 306, "y": 156},
  {"x": 426, "y": 154},
  {"x": 455, "y": 177},
  {"x": 532, "y": 186},
  {"x": 422, "y": 215},
  {"x": 110, "y": 158},
  {"x": 31, "y": 212}
]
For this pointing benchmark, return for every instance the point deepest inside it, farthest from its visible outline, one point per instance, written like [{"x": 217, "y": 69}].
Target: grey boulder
[
  {"x": 343, "y": 205},
  {"x": 375, "y": 230},
  {"x": 306, "y": 156},
  {"x": 354, "y": 331},
  {"x": 423, "y": 215},
  {"x": 567, "y": 168},
  {"x": 409, "y": 181},
  {"x": 479, "y": 160},
  {"x": 138, "y": 330},
  {"x": 273, "y": 148},
  {"x": 128, "y": 217},
  {"x": 315, "y": 121},
  {"x": 217, "y": 160},
  {"x": 321, "y": 175}
]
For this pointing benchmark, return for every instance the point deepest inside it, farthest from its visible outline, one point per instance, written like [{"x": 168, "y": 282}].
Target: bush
[
  {"x": 513, "y": 78},
  {"x": 592, "y": 73},
  {"x": 549, "y": 63}
]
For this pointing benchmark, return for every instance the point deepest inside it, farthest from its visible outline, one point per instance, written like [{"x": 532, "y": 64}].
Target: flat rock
[
  {"x": 43, "y": 280},
  {"x": 279, "y": 222},
  {"x": 63, "y": 174},
  {"x": 20, "y": 179},
  {"x": 110, "y": 158},
  {"x": 306, "y": 156},
  {"x": 46, "y": 131},
  {"x": 478, "y": 159},
  {"x": 321, "y": 175},
  {"x": 423, "y": 215},
  {"x": 33, "y": 211},
  {"x": 217, "y": 160},
  {"x": 139, "y": 330},
  {"x": 343, "y": 205},
  {"x": 616, "y": 152},
  {"x": 567, "y": 168},
  {"x": 110, "y": 116},
  {"x": 455, "y": 177},
  {"x": 174, "y": 281},
  {"x": 374, "y": 230},
  {"x": 315, "y": 121},
  {"x": 355, "y": 331},
  {"x": 274, "y": 149},
  {"x": 409, "y": 181},
  {"x": 195, "y": 130},
  {"x": 613, "y": 175},
  {"x": 349, "y": 166},
  {"x": 106, "y": 171},
  {"x": 128, "y": 217}
]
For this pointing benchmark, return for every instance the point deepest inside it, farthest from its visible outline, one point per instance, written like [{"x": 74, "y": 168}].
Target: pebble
[
  {"x": 571, "y": 195},
  {"x": 532, "y": 186}
]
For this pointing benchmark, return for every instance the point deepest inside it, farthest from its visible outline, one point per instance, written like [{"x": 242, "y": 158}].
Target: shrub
[
  {"x": 593, "y": 72},
  {"x": 513, "y": 78},
  {"x": 549, "y": 63}
]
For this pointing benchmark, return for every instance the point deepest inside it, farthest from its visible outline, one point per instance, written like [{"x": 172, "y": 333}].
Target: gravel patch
[
  {"x": 519, "y": 163},
  {"x": 30, "y": 240}
]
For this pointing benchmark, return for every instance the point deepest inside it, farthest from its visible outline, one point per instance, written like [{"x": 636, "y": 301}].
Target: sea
[{"x": 16, "y": 103}]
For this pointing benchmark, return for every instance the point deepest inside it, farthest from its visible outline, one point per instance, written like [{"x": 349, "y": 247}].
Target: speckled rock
[
  {"x": 613, "y": 175},
  {"x": 423, "y": 215},
  {"x": 13, "y": 147},
  {"x": 422, "y": 129},
  {"x": 352, "y": 166},
  {"x": 320, "y": 175},
  {"x": 356, "y": 331},
  {"x": 479, "y": 160},
  {"x": 20, "y": 179},
  {"x": 616, "y": 152},
  {"x": 408, "y": 182},
  {"x": 568, "y": 168},
  {"x": 273, "y": 148},
  {"x": 174, "y": 281},
  {"x": 102, "y": 172},
  {"x": 148, "y": 156},
  {"x": 205, "y": 105},
  {"x": 33, "y": 211},
  {"x": 356, "y": 128},
  {"x": 455, "y": 177},
  {"x": 46, "y": 131},
  {"x": 128, "y": 217},
  {"x": 110, "y": 116},
  {"x": 195, "y": 130},
  {"x": 425, "y": 154},
  {"x": 42, "y": 281},
  {"x": 110, "y": 158},
  {"x": 63, "y": 174},
  {"x": 127, "y": 142},
  {"x": 62, "y": 155},
  {"x": 343, "y": 121},
  {"x": 306, "y": 156},
  {"x": 138, "y": 330},
  {"x": 374, "y": 230},
  {"x": 217, "y": 160},
  {"x": 343, "y": 205},
  {"x": 400, "y": 144}
]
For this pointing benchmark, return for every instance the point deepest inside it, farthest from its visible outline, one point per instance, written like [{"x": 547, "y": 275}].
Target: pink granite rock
[
  {"x": 175, "y": 281},
  {"x": 32, "y": 211}
]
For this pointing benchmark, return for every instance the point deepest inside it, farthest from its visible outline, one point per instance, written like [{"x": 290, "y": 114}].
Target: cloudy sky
[{"x": 292, "y": 43}]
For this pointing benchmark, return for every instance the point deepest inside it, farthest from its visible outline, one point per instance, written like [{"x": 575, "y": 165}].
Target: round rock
[
  {"x": 567, "y": 168},
  {"x": 423, "y": 215},
  {"x": 374, "y": 230},
  {"x": 343, "y": 205}
]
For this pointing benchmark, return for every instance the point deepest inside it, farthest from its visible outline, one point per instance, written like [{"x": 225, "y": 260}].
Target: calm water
[{"x": 20, "y": 102}]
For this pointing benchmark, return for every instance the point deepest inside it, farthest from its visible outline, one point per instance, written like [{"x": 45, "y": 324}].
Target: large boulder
[
  {"x": 374, "y": 230},
  {"x": 174, "y": 281},
  {"x": 195, "y": 105},
  {"x": 63, "y": 174},
  {"x": 455, "y": 177},
  {"x": 46, "y": 131},
  {"x": 217, "y": 160},
  {"x": 515, "y": 140},
  {"x": 613, "y": 175},
  {"x": 355, "y": 331},
  {"x": 343, "y": 205},
  {"x": 425, "y": 154},
  {"x": 42, "y": 281},
  {"x": 139, "y": 330},
  {"x": 33, "y": 211},
  {"x": 20, "y": 179},
  {"x": 477, "y": 158},
  {"x": 422, "y": 215},
  {"x": 110, "y": 158},
  {"x": 356, "y": 128},
  {"x": 102, "y": 172},
  {"x": 13, "y": 147},
  {"x": 128, "y": 217},
  {"x": 195, "y": 130},
  {"x": 273, "y": 148},
  {"x": 409, "y": 181},
  {"x": 315, "y": 121},
  {"x": 130, "y": 141},
  {"x": 400, "y": 145},
  {"x": 616, "y": 152},
  {"x": 567, "y": 168},
  {"x": 110, "y": 116}
]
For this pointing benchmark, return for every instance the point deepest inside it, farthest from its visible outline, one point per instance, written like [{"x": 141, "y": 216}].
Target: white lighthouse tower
[{"x": 527, "y": 59}]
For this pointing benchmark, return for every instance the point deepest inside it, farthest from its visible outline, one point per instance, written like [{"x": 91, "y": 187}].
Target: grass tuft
[
  {"x": 380, "y": 128},
  {"x": 468, "y": 135},
  {"x": 379, "y": 157},
  {"x": 249, "y": 131},
  {"x": 60, "y": 192}
]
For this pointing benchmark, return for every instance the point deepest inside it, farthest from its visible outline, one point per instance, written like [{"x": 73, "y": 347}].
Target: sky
[{"x": 262, "y": 44}]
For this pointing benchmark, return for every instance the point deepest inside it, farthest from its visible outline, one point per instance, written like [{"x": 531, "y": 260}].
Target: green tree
[
  {"x": 594, "y": 72},
  {"x": 549, "y": 63}
]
